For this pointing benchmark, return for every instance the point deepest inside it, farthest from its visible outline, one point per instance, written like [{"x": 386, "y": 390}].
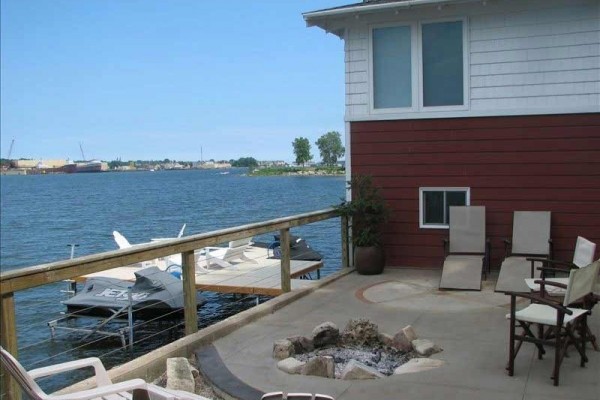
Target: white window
[
  {"x": 419, "y": 66},
  {"x": 434, "y": 205}
]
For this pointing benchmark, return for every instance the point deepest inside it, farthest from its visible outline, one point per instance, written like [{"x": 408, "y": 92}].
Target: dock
[{"x": 261, "y": 276}]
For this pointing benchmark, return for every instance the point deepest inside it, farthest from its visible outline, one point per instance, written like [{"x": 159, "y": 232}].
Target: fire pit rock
[
  {"x": 325, "y": 334},
  {"x": 360, "y": 332},
  {"x": 359, "y": 352}
]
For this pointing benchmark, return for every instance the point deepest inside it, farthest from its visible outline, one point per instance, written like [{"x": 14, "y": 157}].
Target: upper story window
[{"x": 418, "y": 66}]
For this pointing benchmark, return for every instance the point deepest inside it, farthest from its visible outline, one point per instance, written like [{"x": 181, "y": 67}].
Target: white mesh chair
[
  {"x": 130, "y": 389},
  {"x": 569, "y": 324},
  {"x": 530, "y": 238},
  {"x": 467, "y": 251}
]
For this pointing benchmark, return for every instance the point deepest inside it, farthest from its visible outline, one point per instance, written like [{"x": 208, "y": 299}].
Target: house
[{"x": 482, "y": 102}]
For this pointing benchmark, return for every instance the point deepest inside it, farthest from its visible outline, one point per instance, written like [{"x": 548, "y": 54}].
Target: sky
[{"x": 156, "y": 79}]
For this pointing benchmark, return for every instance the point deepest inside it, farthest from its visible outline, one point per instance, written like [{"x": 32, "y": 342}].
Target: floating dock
[{"x": 261, "y": 276}]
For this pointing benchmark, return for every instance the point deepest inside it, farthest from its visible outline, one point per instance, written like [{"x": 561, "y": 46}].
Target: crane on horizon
[
  {"x": 81, "y": 148},
  {"x": 10, "y": 149}
]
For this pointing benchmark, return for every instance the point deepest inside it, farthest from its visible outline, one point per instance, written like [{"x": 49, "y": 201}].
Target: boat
[
  {"x": 155, "y": 294},
  {"x": 86, "y": 166},
  {"x": 299, "y": 249}
]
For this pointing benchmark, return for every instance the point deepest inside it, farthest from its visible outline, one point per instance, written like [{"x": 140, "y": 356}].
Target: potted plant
[{"x": 367, "y": 211}]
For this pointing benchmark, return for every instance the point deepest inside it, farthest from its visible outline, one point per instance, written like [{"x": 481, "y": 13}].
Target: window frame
[
  {"x": 422, "y": 225},
  {"x": 413, "y": 68},
  {"x": 417, "y": 68}
]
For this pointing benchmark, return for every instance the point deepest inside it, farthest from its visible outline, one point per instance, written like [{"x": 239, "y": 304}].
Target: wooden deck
[{"x": 262, "y": 277}]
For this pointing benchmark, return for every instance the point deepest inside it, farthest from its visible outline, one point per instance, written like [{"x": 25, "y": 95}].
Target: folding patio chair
[
  {"x": 467, "y": 250},
  {"x": 530, "y": 238},
  {"x": 569, "y": 323},
  {"x": 130, "y": 389},
  {"x": 582, "y": 257}
]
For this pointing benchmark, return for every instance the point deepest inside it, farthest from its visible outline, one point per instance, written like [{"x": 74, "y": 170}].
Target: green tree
[
  {"x": 249, "y": 162},
  {"x": 330, "y": 147},
  {"x": 302, "y": 150}
]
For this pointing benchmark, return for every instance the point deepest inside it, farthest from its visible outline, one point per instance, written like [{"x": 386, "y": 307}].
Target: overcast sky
[{"x": 154, "y": 79}]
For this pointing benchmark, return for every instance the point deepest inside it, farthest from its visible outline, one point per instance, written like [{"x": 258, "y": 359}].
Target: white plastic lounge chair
[
  {"x": 295, "y": 396},
  {"x": 122, "y": 242},
  {"x": 530, "y": 237},
  {"x": 131, "y": 389},
  {"x": 224, "y": 256},
  {"x": 163, "y": 263},
  {"x": 569, "y": 324},
  {"x": 467, "y": 251}
]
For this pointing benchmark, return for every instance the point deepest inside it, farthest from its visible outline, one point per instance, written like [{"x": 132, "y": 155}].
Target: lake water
[{"x": 42, "y": 215}]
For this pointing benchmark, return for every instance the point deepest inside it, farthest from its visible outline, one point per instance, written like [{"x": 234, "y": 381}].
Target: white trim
[
  {"x": 467, "y": 191},
  {"x": 348, "y": 158},
  {"x": 375, "y": 7},
  {"x": 470, "y": 113}
]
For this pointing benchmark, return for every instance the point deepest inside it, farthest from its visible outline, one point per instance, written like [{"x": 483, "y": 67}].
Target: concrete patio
[{"x": 470, "y": 326}]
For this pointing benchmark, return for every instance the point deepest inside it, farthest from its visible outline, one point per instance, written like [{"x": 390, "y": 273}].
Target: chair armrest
[
  {"x": 550, "y": 283},
  {"x": 538, "y": 299},
  {"x": 103, "y": 391},
  {"x": 553, "y": 262},
  {"x": 99, "y": 371},
  {"x": 547, "y": 269}
]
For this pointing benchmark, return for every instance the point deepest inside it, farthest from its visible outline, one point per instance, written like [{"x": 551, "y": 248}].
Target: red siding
[{"x": 510, "y": 163}]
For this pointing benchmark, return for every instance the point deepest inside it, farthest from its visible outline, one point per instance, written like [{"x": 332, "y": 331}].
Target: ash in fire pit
[{"x": 360, "y": 352}]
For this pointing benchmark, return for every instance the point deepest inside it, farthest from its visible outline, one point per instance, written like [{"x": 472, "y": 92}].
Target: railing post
[
  {"x": 344, "y": 225},
  {"x": 8, "y": 339},
  {"x": 284, "y": 240},
  {"x": 189, "y": 292}
]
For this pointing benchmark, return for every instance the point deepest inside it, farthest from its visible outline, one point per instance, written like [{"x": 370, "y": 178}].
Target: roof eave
[{"x": 319, "y": 18}]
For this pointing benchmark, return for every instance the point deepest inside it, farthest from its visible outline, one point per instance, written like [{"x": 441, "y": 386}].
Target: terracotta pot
[{"x": 369, "y": 260}]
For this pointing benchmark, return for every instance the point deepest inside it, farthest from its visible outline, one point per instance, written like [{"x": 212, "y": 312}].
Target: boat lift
[
  {"x": 125, "y": 334},
  {"x": 122, "y": 333}
]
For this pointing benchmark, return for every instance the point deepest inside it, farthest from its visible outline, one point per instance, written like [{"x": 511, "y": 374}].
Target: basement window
[{"x": 434, "y": 205}]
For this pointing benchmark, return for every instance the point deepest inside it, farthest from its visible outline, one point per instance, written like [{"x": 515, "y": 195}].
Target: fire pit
[{"x": 359, "y": 352}]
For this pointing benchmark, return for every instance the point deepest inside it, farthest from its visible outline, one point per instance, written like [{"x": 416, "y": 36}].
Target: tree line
[{"x": 330, "y": 148}]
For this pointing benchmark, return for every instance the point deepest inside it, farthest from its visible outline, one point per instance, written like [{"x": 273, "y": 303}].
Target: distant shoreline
[{"x": 297, "y": 171}]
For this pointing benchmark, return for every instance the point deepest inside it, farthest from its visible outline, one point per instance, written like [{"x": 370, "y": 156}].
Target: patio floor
[{"x": 469, "y": 326}]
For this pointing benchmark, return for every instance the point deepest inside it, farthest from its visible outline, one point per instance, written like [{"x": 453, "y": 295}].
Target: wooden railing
[{"x": 26, "y": 278}]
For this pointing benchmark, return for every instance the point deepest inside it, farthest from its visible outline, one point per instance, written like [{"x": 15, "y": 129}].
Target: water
[{"x": 42, "y": 215}]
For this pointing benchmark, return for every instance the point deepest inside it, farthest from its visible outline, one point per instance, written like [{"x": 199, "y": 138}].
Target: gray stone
[
  {"x": 418, "y": 365},
  {"x": 283, "y": 349},
  {"x": 320, "y": 366},
  {"x": 410, "y": 333},
  {"x": 325, "y": 334},
  {"x": 291, "y": 365},
  {"x": 425, "y": 347},
  {"x": 401, "y": 342},
  {"x": 358, "y": 370},
  {"x": 360, "y": 331},
  {"x": 301, "y": 344},
  {"x": 386, "y": 339},
  {"x": 179, "y": 375}
]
